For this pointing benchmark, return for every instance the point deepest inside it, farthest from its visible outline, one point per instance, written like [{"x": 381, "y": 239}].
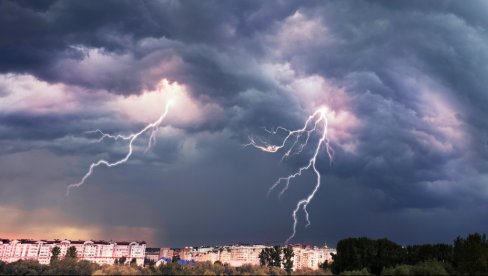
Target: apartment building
[
  {"x": 238, "y": 255},
  {"x": 100, "y": 252}
]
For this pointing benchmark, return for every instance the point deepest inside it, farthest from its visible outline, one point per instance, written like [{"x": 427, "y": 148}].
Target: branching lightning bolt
[
  {"x": 300, "y": 138},
  {"x": 152, "y": 128}
]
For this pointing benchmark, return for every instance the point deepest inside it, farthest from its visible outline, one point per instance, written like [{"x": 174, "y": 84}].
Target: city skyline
[
  {"x": 179, "y": 123},
  {"x": 116, "y": 252}
]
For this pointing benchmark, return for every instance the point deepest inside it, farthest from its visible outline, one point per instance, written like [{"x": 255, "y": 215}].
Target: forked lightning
[
  {"x": 317, "y": 122},
  {"x": 152, "y": 128}
]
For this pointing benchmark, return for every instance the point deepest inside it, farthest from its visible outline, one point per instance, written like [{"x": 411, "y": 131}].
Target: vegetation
[
  {"x": 358, "y": 256},
  {"x": 71, "y": 253},
  {"x": 288, "y": 259},
  {"x": 265, "y": 257},
  {"x": 67, "y": 266},
  {"x": 471, "y": 254},
  {"x": 70, "y": 266},
  {"x": 122, "y": 260},
  {"x": 355, "y": 256},
  {"x": 55, "y": 254},
  {"x": 271, "y": 256}
]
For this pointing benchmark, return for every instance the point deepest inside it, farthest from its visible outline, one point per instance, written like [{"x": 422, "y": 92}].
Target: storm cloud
[{"x": 404, "y": 82}]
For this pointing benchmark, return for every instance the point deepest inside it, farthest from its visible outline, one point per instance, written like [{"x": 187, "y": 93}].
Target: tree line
[
  {"x": 360, "y": 256},
  {"x": 271, "y": 257}
]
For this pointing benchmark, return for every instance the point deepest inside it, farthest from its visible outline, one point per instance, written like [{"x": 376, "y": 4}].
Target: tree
[
  {"x": 288, "y": 259},
  {"x": 71, "y": 266},
  {"x": 22, "y": 267},
  {"x": 122, "y": 260},
  {"x": 265, "y": 257},
  {"x": 421, "y": 253},
  {"x": 152, "y": 264},
  {"x": 325, "y": 265},
  {"x": 276, "y": 256},
  {"x": 354, "y": 254},
  {"x": 431, "y": 267},
  {"x": 362, "y": 272},
  {"x": 175, "y": 259},
  {"x": 55, "y": 254},
  {"x": 388, "y": 254},
  {"x": 71, "y": 253},
  {"x": 471, "y": 254},
  {"x": 133, "y": 262}
]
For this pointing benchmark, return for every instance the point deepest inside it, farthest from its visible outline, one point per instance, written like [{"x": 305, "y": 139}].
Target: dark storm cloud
[
  {"x": 373, "y": 54},
  {"x": 414, "y": 74},
  {"x": 39, "y": 38}
]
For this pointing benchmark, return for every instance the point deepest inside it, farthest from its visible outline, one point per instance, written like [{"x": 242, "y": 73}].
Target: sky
[{"x": 403, "y": 83}]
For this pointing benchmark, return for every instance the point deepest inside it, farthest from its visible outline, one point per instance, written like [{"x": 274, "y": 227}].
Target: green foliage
[
  {"x": 170, "y": 268},
  {"x": 326, "y": 266},
  {"x": 388, "y": 254},
  {"x": 288, "y": 259},
  {"x": 271, "y": 256},
  {"x": 309, "y": 271},
  {"x": 251, "y": 270},
  {"x": 175, "y": 259},
  {"x": 431, "y": 267},
  {"x": 265, "y": 258},
  {"x": 23, "y": 267},
  {"x": 66, "y": 266},
  {"x": 71, "y": 253},
  {"x": 471, "y": 254},
  {"x": 354, "y": 254},
  {"x": 276, "y": 256},
  {"x": 363, "y": 271},
  {"x": 398, "y": 270},
  {"x": 70, "y": 266},
  {"x": 276, "y": 271},
  {"x": 420, "y": 253},
  {"x": 118, "y": 270},
  {"x": 133, "y": 262},
  {"x": 151, "y": 264},
  {"x": 122, "y": 260},
  {"x": 55, "y": 254}
]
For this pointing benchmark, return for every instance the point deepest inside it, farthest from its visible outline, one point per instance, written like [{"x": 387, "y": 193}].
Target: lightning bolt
[
  {"x": 317, "y": 122},
  {"x": 152, "y": 128}
]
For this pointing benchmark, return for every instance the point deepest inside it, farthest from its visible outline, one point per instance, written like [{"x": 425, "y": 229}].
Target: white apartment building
[
  {"x": 311, "y": 257},
  {"x": 238, "y": 255},
  {"x": 100, "y": 252},
  {"x": 235, "y": 255},
  {"x": 152, "y": 254}
]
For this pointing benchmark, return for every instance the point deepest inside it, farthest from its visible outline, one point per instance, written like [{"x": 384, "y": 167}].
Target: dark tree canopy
[
  {"x": 72, "y": 253},
  {"x": 122, "y": 260},
  {"x": 471, "y": 254},
  {"x": 288, "y": 259},
  {"x": 55, "y": 254}
]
